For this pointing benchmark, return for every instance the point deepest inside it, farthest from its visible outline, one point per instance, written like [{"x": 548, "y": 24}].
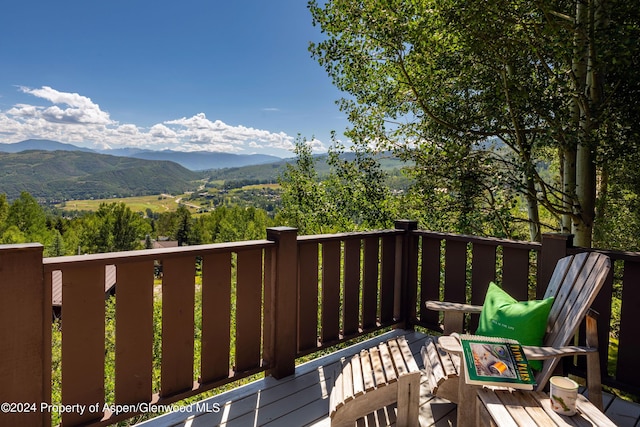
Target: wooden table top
[{"x": 532, "y": 408}]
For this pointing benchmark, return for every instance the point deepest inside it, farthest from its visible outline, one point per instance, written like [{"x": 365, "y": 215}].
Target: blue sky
[{"x": 232, "y": 76}]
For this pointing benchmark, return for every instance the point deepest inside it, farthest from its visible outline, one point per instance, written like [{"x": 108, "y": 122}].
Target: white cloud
[
  {"x": 161, "y": 131},
  {"x": 317, "y": 145},
  {"x": 80, "y": 108},
  {"x": 208, "y": 135},
  {"x": 75, "y": 118}
]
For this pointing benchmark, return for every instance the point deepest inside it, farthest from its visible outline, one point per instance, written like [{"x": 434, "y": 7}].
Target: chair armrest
[
  {"x": 544, "y": 353},
  {"x": 453, "y": 306},
  {"x": 453, "y": 314}
]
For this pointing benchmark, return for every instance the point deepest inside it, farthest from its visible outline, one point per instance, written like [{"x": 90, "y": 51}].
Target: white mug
[{"x": 563, "y": 393}]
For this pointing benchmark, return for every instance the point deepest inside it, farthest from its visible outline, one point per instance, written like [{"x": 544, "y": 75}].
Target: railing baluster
[
  {"x": 370, "y": 285},
  {"x": 83, "y": 340},
  {"x": 249, "y": 310},
  {"x": 388, "y": 274},
  {"x": 483, "y": 271},
  {"x": 515, "y": 272},
  {"x": 178, "y": 296},
  {"x": 330, "y": 291},
  {"x": 430, "y": 279},
  {"x": 351, "y": 303},
  {"x": 308, "y": 300},
  {"x": 216, "y": 316},
  {"x": 455, "y": 271},
  {"x": 25, "y": 334},
  {"x": 134, "y": 332}
]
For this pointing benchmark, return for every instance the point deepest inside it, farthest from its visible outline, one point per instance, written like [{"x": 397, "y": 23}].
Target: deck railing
[{"x": 263, "y": 303}]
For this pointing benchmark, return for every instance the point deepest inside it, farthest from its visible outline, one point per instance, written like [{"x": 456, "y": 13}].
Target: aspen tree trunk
[
  {"x": 584, "y": 105},
  {"x": 568, "y": 160},
  {"x": 533, "y": 210}
]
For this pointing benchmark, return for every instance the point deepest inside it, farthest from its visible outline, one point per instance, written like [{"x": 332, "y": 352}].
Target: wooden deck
[{"x": 303, "y": 399}]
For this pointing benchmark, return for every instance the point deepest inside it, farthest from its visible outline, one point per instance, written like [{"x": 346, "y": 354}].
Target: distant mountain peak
[
  {"x": 192, "y": 160},
  {"x": 40, "y": 144}
]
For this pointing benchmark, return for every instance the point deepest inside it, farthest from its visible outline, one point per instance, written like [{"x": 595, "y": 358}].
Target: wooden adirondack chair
[{"x": 575, "y": 282}]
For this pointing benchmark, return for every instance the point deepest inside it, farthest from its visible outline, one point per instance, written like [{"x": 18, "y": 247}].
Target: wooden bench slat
[
  {"x": 407, "y": 355},
  {"x": 356, "y": 371},
  {"x": 515, "y": 405},
  {"x": 378, "y": 368},
  {"x": 367, "y": 372},
  {"x": 387, "y": 364},
  {"x": 333, "y": 396},
  {"x": 347, "y": 383},
  {"x": 336, "y": 399},
  {"x": 432, "y": 364},
  {"x": 398, "y": 360},
  {"x": 534, "y": 409}
]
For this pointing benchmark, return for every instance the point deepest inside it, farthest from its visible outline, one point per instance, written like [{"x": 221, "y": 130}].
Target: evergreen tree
[{"x": 183, "y": 223}]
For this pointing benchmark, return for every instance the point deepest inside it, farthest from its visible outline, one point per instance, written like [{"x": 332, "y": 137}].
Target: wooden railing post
[
  {"x": 554, "y": 247},
  {"x": 408, "y": 274},
  {"x": 25, "y": 334},
  {"x": 283, "y": 304}
]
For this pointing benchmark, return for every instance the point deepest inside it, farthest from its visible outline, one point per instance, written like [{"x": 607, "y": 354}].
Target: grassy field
[{"x": 157, "y": 203}]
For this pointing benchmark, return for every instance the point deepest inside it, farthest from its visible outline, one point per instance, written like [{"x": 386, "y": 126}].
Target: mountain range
[
  {"x": 60, "y": 175},
  {"x": 53, "y": 171},
  {"x": 194, "y": 160}
]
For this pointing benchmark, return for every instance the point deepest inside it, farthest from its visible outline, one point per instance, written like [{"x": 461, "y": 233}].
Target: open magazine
[{"x": 496, "y": 362}]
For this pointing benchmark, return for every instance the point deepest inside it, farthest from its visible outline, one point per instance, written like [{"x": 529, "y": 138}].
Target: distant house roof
[
  {"x": 157, "y": 244},
  {"x": 161, "y": 242},
  {"x": 56, "y": 284}
]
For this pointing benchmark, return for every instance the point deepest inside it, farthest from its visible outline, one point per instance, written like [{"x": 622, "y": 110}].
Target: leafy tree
[
  {"x": 354, "y": 195},
  {"x": 303, "y": 199},
  {"x": 619, "y": 207},
  {"x": 4, "y": 210},
  {"x": 165, "y": 224},
  {"x": 27, "y": 217},
  {"x": 229, "y": 224},
  {"x": 13, "y": 235},
  {"x": 358, "y": 190},
  {"x": 113, "y": 227},
  {"x": 439, "y": 80}
]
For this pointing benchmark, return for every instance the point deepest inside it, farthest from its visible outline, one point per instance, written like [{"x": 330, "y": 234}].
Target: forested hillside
[{"x": 56, "y": 175}]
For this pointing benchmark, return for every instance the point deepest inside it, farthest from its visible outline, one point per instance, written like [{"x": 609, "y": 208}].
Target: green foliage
[
  {"x": 56, "y": 368},
  {"x": 359, "y": 190},
  {"x": 183, "y": 226},
  {"x": 439, "y": 80},
  {"x": 57, "y": 175},
  {"x": 303, "y": 199},
  {"x": 113, "y": 227},
  {"x": 618, "y": 225},
  {"x": 229, "y": 224},
  {"x": 4, "y": 209},
  {"x": 24, "y": 221},
  {"x": 353, "y": 195}
]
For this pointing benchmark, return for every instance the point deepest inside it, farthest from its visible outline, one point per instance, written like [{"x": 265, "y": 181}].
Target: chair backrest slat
[
  {"x": 575, "y": 283},
  {"x": 562, "y": 281}
]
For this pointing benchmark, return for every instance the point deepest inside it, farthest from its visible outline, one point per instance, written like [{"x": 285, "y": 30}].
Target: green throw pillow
[{"x": 503, "y": 316}]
